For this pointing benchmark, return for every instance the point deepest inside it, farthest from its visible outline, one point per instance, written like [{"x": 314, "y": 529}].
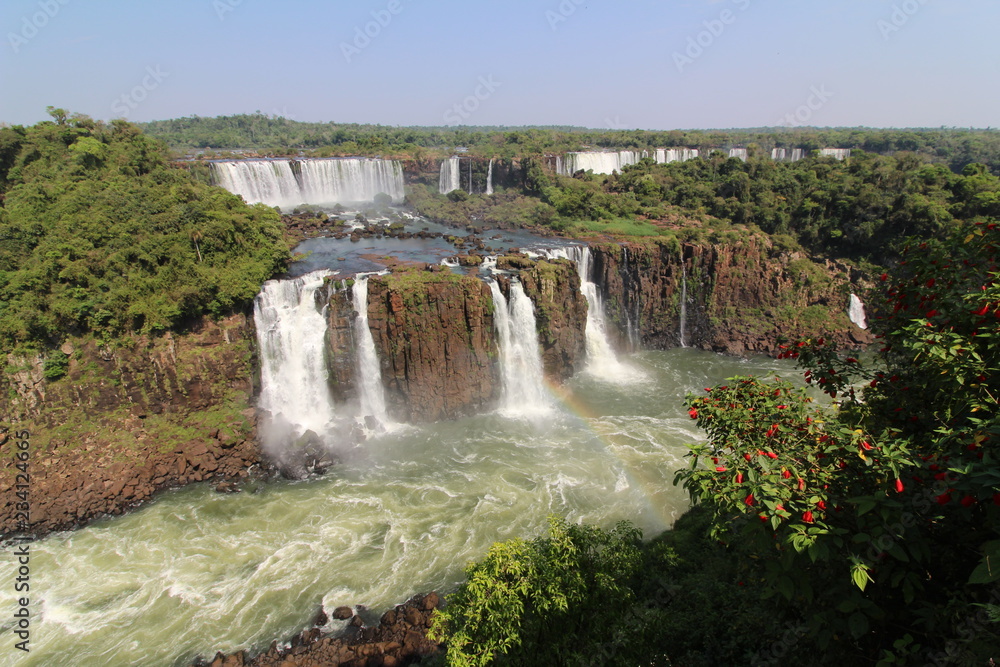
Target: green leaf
[{"x": 858, "y": 624}]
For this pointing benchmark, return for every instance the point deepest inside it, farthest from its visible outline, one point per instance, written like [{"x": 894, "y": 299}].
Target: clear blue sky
[{"x": 594, "y": 63}]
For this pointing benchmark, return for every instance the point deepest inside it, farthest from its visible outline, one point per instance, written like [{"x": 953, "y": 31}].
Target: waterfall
[
  {"x": 371, "y": 394},
  {"x": 836, "y": 153},
  {"x": 787, "y": 154},
  {"x": 320, "y": 181},
  {"x": 520, "y": 360},
  {"x": 450, "y": 175},
  {"x": 631, "y": 325},
  {"x": 270, "y": 182},
  {"x": 599, "y": 162},
  {"x": 350, "y": 180},
  {"x": 601, "y": 359},
  {"x": 489, "y": 179},
  {"x": 665, "y": 155},
  {"x": 291, "y": 334},
  {"x": 856, "y": 311},
  {"x": 738, "y": 153},
  {"x": 684, "y": 298}
]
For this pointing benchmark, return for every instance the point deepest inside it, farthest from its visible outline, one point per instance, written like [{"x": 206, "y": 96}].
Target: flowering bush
[{"x": 898, "y": 482}]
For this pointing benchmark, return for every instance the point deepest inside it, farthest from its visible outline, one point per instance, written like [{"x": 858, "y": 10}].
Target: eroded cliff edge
[{"x": 125, "y": 422}]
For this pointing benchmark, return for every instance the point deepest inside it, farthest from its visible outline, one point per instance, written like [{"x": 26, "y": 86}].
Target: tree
[{"x": 876, "y": 512}]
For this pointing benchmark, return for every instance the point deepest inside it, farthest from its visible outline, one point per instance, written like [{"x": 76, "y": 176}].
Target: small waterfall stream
[
  {"x": 371, "y": 395},
  {"x": 524, "y": 393},
  {"x": 489, "y": 179},
  {"x": 684, "y": 300}
]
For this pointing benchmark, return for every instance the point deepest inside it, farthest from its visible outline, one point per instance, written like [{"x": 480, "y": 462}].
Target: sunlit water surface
[{"x": 197, "y": 571}]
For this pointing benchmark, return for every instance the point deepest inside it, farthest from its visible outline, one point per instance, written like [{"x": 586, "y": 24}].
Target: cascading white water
[
  {"x": 371, "y": 394},
  {"x": 684, "y": 299},
  {"x": 450, "y": 176},
  {"x": 787, "y": 154},
  {"x": 665, "y": 155},
  {"x": 321, "y": 181},
  {"x": 856, "y": 312},
  {"x": 291, "y": 332},
  {"x": 599, "y": 162},
  {"x": 601, "y": 358},
  {"x": 270, "y": 182},
  {"x": 738, "y": 153},
  {"x": 837, "y": 153},
  {"x": 524, "y": 392},
  {"x": 489, "y": 179},
  {"x": 350, "y": 180}
]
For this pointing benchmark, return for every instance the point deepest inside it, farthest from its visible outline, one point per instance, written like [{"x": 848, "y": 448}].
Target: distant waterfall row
[
  {"x": 607, "y": 162},
  {"x": 289, "y": 183}
]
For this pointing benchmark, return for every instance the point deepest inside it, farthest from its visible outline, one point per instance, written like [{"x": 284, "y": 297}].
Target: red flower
[
  {"x": 982, "y": 311},
  {"x": 802, "y": 485},
  {"x": 720, "y": 469},
  {"x": 739, "y": 478},
  {"x": 748, "y": 500},
  {"x": 821, "y": 505},
  {"x": 884, "y": 277},
  {"x": 786, "y": 474},
  {"x": 943, "y": 499},
  {"x": 865, "y": 446},
  {"x": 807, "y": 516},
  {"x": 968, "y": 501},
  {"x": 693, "y": 412},
  {"x": 899, "y": 485},
  {"x": 747, "y": 456},
  {"x": 772, "y": 455}
]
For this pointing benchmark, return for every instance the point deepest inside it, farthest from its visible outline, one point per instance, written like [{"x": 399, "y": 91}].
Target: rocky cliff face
[
  {"x": 742, "y": 294},
  {"x": 436, "y": 341},
  {"x": 434, "y": 335},
  {"x": 128, "y": 421}
]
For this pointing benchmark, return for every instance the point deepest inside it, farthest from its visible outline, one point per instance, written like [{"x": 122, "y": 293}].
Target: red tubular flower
[
  {"x": 786, "y": 474},
  {"x": 865, "y": 446},
  {"x": 720, "y": 469},
  {"x": 802, "y": 485},
  {"x": 693, "y": 412},
  {"x": 772, "y": 455},
  {"x": 884, "y": 277},
  {"x": 821, "y": 505},
  {"x": 943, "y": 499},
  {"x": 982, "y": 311},
  {"x": 739, "y": 478},
  {"x": 748, "y": 500},
  {"x": 807, "y": 516},
  {"x": 747, "y": 456},
  {"x": 899, "y": 485},
  {"x": 968, "y": 501}
]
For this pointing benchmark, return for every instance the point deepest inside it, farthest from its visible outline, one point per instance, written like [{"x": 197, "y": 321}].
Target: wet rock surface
[{"x": 398, "y": 639}]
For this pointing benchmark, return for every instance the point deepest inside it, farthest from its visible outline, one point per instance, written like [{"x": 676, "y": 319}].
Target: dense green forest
[
  {"x": 99, "y": 233},
  {"x": 281, "y": 136}
]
